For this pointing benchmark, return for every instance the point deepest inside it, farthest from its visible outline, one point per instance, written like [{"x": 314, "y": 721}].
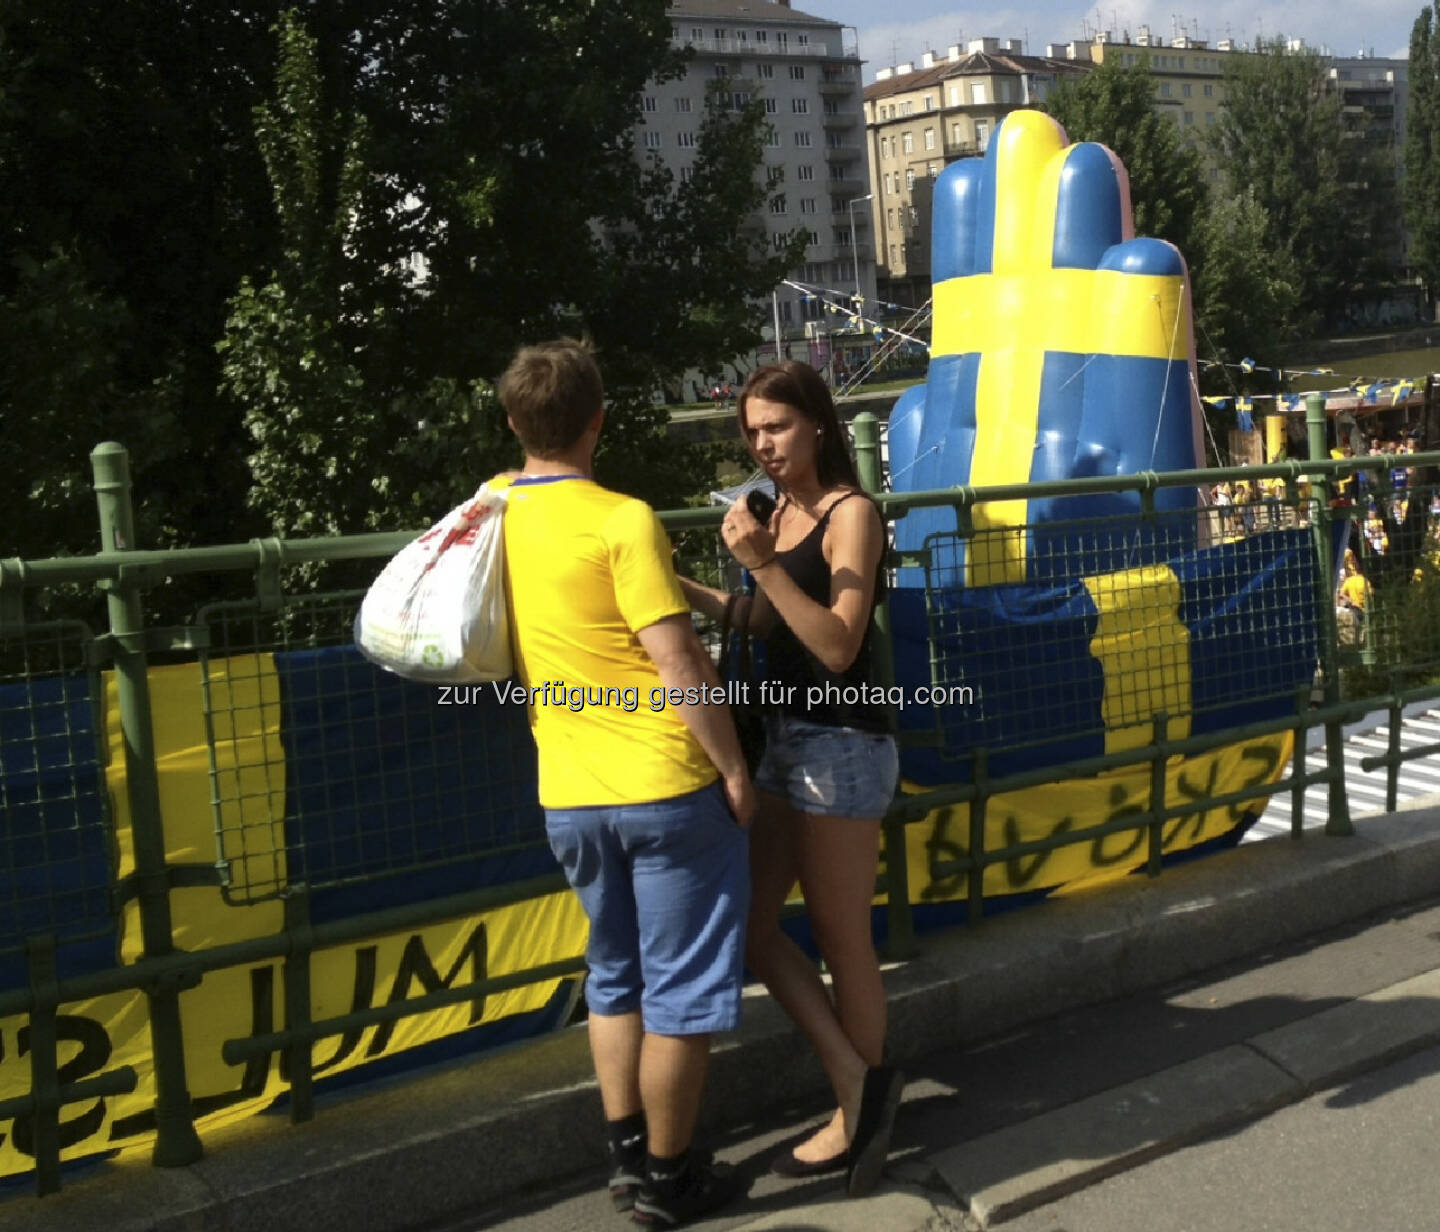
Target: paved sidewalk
[
  {"x": 992, "y": 1131},
  {"x": 1048, "y": 1049}
]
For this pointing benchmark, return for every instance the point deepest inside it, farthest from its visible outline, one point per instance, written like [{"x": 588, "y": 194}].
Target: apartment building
[
  {"x": 807, "y": 71},
  {"x": 918, "y": 119}
]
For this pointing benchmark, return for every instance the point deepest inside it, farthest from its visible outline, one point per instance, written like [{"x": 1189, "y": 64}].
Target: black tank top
[{"x": 792, "y": 667}]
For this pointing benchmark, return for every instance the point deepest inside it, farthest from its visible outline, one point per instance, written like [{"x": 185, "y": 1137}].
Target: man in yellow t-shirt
[{"x": 644, "y": 786}]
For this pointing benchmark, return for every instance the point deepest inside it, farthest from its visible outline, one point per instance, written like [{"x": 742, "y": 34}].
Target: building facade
[
  {"x": 807, "y": 71},
  {"x": 918, "y": 119}
]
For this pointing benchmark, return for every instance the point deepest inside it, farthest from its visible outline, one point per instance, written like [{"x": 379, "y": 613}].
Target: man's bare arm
[{"x": 683, "y": 664}]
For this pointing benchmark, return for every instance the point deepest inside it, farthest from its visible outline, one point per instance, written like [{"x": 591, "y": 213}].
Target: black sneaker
[
  {"x": 625, "y": 1185},
  {"x": 702, "y": 1188}
]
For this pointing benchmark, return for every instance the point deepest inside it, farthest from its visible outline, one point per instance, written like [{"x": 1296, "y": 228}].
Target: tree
[
  {"x": 1116, "y": 107},
  {"x": 1283, "y": 138},
  {"x": 131, "y": 201},
  {"x": 288, "y": 257},
  {"x": 1245, "y": 291},
  {"x": 1422, "y": 150}
]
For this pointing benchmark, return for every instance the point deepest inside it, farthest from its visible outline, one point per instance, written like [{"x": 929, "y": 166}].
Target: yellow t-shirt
[
  {"x": 1353, "y": 589},
  {"x": 586, "y": 569}
]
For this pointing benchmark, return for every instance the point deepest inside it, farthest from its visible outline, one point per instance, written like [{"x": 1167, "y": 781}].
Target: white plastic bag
[{"x": 437, "y": 611}]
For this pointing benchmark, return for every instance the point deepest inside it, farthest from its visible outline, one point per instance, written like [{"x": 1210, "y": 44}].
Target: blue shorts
[
  {"x": 666, "y": 887},
  {"x": 828, "y": 771}
]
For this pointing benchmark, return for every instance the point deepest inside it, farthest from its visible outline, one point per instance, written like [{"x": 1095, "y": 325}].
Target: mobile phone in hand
[{"x": 761, "y": 505}]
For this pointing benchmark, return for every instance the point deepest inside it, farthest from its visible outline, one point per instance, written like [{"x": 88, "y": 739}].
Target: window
[
  {"x": 1189, "y": 117},
  {"x": 955, "y": 96},
  {"x": 803, "y": 140},
  {"x": 785, "y": 310},
  {"x": 721, "y": 35},
  {"x": 687, "y": 174},
  {"x": 892, "y": 254},
  {"x": 762, "y": 36},
  {"x": 777, "y": 205},
  {"x": 686, "y": 141},
  {"x": 909, "y": 178},
  {"x": 800, "y": 106},
  {"x": 807, "y": 205},
  {"x": 802, "y": 40},
  {"x": 741, "y": 99},
  {"x": 697, "y": 33},
  {"x": 932, "y": 169},
  {"x": 771, "y": 106},
  {"x": 772, "y": 138},
  {"x": 1185, "y": 90},
  {"x": 806, "y": 172},
  {"x": 778, "y": 241},
  {"x": 889, "y": 184},
  {"x": 764, "y": 70},
  {"x": 722, "y": 70},
  {"x": 1209, "y": 117},
  {"x": 650, "y": 103},
  {"x": 907, "y": 109},
  {"x": 955, "y": 134},
  {"x": 1209, "y": 90},
  {"x": 1164, "y": 89},
  {"x": 982, "y": 133},
  {"x": 682, "y": 104},
  {"x": 652, "y": 141},
  {"x": 907, "y": 142},
  {"x": 977, "y": 92},
  {"x": 929, "y": 138},
  {"x": 814, "y": 237},
  {"x": 842, "y": 235},
  {"x": 773, "y": 175},
  {"x": 929, "y": 102},
  {"x": 837, "y": 205},
  {"x": 890, "y": 217},
  {"x": 782, "y": 38},
  {"x": 797, "y": 72}
]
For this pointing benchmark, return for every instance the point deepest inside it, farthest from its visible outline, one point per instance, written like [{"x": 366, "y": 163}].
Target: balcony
[
  {"x": 841, "y": 119},
  {"x": 843, "y": 153},
  {"x": 771, "y": 51},
  {"x": 839, "y": 81},
  {"x": 849, "y": 186}
]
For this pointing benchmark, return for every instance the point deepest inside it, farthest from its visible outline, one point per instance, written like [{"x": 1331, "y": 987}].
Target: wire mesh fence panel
[
  {"x": 57, "y": 857},
  {"x": 1387, "y": 597},
  {"x": 329, "y": 771},
  {"x": 1104, "y": 623}
]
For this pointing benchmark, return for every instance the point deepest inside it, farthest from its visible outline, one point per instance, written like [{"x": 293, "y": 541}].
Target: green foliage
[
  {"x": 1422, "y": 149},
  {"x": 284, "y": 255},
  {"x": 1325, "y": 191},
  {"x": 1244, "y": 290},
  {"x": 1116, "y": 106}
]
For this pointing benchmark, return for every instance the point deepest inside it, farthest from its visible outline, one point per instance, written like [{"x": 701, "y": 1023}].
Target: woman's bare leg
[{"x": 793, "y": 980}]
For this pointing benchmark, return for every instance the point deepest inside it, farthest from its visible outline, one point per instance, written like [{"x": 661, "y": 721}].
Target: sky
[{"x": 899, "y": 32}]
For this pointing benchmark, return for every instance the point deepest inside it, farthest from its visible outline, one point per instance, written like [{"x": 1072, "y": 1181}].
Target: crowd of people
[{"x": 681, "y": 855}]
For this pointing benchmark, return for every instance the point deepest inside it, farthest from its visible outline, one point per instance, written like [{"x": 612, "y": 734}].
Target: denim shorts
[
  {"x": 828, "y": 771},
  {"x": 666, "y": 887}
]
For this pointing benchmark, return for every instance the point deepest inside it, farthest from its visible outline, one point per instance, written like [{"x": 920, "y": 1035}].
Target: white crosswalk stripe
[{"x": 1365, "y": 790}]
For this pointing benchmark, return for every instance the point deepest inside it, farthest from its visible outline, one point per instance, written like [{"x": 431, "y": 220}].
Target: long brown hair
[{"x": 799, "y": 386}]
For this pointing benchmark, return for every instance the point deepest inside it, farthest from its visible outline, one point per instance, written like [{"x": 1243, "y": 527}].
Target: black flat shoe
[
  {"x": 868, "y": 1149},
  {"x": 787, "y": 1164}
]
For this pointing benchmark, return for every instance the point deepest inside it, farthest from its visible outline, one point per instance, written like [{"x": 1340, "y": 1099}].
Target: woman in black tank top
[{"x": 830, "y": 764}]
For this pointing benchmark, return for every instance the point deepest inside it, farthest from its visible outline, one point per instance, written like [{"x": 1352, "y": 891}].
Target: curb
[
  {"x": 1017, "y": 1169},
  {"x": 466, "y": 1136}
]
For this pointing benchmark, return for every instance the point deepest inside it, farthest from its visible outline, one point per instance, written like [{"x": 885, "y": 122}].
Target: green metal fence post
[
  {"x": 900, "y": 935},
  {"x": 1338, "y": 821},
  {"x": 176, "y": 1142}
]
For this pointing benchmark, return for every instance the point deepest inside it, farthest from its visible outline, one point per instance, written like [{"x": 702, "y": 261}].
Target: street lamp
[{"x": 855, "y": 243}]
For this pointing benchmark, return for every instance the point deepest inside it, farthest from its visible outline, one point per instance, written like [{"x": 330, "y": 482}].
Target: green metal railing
[{"x": 253, "y": 860}]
